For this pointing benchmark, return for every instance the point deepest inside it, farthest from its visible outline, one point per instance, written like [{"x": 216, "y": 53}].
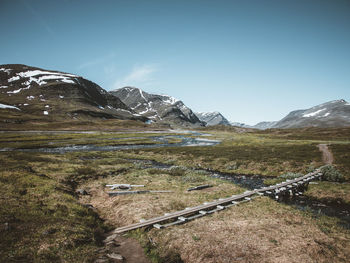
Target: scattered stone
[
  {"x": 101, "y": 260},
  {"x": 6, "y": 226},
  {"x": 112, "y": 244},
  {"x": 115, "y": 256},
  {"x": 82, "y": 192}
]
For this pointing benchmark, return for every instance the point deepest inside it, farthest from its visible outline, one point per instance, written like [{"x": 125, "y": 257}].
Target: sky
[{"x": 250, "y": 60}]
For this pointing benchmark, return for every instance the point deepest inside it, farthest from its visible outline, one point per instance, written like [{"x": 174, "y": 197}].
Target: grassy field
[
  {"x": 245, "y": 154},
  {"x": 42, "y": 218}
]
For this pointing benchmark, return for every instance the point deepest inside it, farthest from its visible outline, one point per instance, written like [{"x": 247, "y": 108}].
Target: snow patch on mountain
[
  {"x": 157, "y": 107},
  {"x": 334, "y": 113},
  {"x": 313, "y": 113},
  {"x": 4, "y": 106},
  {"x": 41, "y": 77},
  {"x": 8, "y": 71},
  {"x": 212, "y": 118},
  {"x": 32, "y": 73},
  {"x": 16, "y": 91},
  {"x": 169, "y": 99}
]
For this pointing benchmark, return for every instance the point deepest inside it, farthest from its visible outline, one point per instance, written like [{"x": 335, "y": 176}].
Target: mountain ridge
[
  {"x": 335, "y": 113},
  {"x": 156, "y": 107},
  {"x": 41, "y": 94}
]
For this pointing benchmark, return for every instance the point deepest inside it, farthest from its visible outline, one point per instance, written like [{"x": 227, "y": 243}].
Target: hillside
[
  {"x": 30, "y": 93},
  {"x": 330, "y": 114}
]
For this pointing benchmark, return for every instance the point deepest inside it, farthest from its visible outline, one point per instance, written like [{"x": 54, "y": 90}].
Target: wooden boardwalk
[{"x": 289, "y": 187}]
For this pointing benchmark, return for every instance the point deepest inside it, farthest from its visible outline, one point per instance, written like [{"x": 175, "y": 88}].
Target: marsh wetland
[{"x": 43, "y": 218}]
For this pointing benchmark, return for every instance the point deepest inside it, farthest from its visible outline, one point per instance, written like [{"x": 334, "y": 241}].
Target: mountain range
[
  {"x": 158, "y": 108},
  {"x": 334, "y": 113},
  {"x": 30, "y": 93},
  {"x": 330, "y": 114}
]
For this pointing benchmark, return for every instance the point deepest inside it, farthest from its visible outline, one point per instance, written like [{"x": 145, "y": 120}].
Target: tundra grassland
[{"x": 43, "y": 219}]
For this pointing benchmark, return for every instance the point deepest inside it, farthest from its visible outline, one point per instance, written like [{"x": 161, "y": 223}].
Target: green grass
[
  {"x": 312, "y": 133},
  {"x": 50, "y": 140},
  {"x": 264, "y": 157},
  {"x": 341, "y": 154},
  {"x": 46, "y": 223}
]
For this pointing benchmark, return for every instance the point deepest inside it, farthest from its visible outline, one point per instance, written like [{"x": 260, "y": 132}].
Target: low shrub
[
  {"x": 330, "y": 173},
  {"x": 290, "y": 175}
]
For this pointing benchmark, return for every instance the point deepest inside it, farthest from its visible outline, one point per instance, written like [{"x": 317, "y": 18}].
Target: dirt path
[
  {"x": 327, "y": 156},
  {"x": 122, "y": 249}
]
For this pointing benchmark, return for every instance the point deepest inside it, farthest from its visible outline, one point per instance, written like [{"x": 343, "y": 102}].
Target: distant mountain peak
[
  {"x": 157, "y": 107},
  {"x": 213, "y": 118}
]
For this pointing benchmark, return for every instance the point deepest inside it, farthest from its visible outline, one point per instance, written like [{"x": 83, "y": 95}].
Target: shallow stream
[
  {"x": 337, "y": 209},
  {"x": 161, "y": 141}
]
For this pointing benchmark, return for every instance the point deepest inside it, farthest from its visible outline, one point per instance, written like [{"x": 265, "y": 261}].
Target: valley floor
[{"x": 44, "y": 219}]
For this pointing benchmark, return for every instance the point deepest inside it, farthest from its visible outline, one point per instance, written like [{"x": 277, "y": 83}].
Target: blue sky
[{"x": 251, "y": 60}]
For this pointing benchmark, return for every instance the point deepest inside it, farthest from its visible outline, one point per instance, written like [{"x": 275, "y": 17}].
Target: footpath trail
[{"x": 327, "y": 155}]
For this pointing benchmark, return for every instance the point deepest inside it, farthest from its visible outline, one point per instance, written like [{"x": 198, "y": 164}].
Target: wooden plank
[{"x": 208, "y": 205}]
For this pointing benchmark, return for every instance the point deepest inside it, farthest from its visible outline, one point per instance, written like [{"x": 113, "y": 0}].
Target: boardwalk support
[{"x": 278, "y": 191}]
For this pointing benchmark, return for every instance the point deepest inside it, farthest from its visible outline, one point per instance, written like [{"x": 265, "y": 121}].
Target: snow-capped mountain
[
  {"x": 212, "y": 118},
  {"x": 330, "y": 114},
  {"x": 33, "y": 93},
  {"x": 264, "y": 125},
  {"x": 159, "y": 108}
]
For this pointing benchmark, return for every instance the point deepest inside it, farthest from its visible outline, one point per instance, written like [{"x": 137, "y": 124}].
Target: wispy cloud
[
  {"x": 97, "y": 61},
  {"x": 140, "y": 76}
]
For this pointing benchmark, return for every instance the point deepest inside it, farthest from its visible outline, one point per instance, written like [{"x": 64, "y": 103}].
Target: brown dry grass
[
  {"x": 259, "y": 231},
  {"x": 330, "y": 191},
  {"x": 128, "y": 209}
]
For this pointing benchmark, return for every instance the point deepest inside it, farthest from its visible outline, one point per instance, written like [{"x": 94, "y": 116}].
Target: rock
[
  {"x": 115, "y": 256},
  {"x": 110, "y": 238},
  {"x": 23, "y": 192},
  {"x": 49, "y": 231},
  {"x": 111, "y": 244},
  {"x": 88, "y": 206},
  {"x": 43, "y": 175},
  {"x": 82, "y": 192}
]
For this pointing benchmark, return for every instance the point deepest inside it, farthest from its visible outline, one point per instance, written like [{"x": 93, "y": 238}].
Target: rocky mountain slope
[
  {"x": 159, "y": 108},
  {"x": 29, "y": 93},
  {"x": 330, "y": 114},
  {"x": 212, "y": 118},
  {"x": 264, "y": 125}
]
